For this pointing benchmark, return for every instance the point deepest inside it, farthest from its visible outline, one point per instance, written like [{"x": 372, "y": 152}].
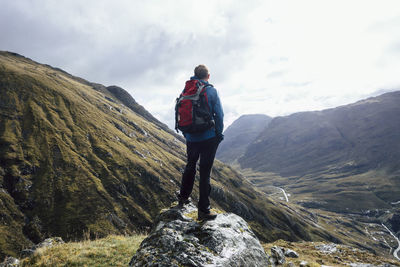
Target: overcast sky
[{"x": 270, "y": 57}]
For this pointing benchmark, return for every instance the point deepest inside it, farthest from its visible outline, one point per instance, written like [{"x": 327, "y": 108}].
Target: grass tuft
[{"x": 113, "y": 250}]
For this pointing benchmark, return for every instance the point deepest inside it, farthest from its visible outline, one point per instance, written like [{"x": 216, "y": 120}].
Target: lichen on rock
[{"x": 178, "y": 240}]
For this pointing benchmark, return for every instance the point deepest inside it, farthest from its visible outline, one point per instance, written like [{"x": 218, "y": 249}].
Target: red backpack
[{"x": 192, "y": 112}]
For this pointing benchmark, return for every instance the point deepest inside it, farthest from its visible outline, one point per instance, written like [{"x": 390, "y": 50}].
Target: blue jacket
[{"x": 217, "y": 112}]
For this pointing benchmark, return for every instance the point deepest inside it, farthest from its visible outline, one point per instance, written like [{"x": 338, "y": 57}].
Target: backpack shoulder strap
[{"x": 204, "y": 87}]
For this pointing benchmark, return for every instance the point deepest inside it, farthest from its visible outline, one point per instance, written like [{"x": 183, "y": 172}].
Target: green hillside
[{"x": 78, "y": 157}]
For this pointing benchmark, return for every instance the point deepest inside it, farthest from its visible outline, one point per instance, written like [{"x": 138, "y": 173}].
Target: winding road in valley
[
  {"x": 396, "y": 252},
  {"x": 284, "y": 193},
  {"x": 281, "y": 190}
]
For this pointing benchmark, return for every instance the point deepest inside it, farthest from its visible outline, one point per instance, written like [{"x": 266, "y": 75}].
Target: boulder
[
  {"x": 277, "y": 256},
  {"x": 327, "y": 248},
  {"x": 291, "y": 253},
  {"x": 10, "y": 262},
  {"x": 179, "y": 240}
]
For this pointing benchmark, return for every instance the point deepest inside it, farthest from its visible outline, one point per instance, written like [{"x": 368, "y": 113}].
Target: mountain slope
[
  {"x": 361, "y": 136},
  {"x": 239, "y": 135},
  {"x": 75, "y": 159},
  {"x": 343, "y": 159}
]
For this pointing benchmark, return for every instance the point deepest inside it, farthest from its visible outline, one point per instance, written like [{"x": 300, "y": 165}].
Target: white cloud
[{"x": 271, "y": 57}]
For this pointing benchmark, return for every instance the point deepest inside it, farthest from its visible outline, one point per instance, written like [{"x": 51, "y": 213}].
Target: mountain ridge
[{"x": 335, "y": 128}]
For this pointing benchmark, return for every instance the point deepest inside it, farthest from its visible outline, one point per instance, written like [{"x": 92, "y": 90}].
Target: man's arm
[{"x": 218, "y": 113}]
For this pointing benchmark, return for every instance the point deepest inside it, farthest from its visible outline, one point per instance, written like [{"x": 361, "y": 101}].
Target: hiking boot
[
  {"x": 205, "y": 216},
  {"x": 183, "y": 202}
]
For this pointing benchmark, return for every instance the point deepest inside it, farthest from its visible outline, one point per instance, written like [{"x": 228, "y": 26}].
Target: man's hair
[{"x": 201, "y": 72}]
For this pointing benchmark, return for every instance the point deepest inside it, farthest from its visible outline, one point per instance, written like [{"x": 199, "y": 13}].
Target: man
[{"x": 202, "y": 145}]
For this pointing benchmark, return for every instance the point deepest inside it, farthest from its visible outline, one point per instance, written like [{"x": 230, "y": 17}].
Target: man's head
[{"x": 201, "y": 72}]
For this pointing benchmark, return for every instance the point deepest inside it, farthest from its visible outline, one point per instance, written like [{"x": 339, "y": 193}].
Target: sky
[{"x": 266, "y": 57}]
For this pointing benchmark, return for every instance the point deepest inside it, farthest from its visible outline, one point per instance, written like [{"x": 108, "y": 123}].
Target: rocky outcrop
[
  {"x": 47, "y": 243},
  {"x": 279, "y": 254},
  {"x": 179, "y": 240}
]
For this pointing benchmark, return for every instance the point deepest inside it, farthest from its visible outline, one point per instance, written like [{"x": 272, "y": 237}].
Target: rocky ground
[
  {"x": 171, "y": 238},
  {"x": 329, "y": 254}
]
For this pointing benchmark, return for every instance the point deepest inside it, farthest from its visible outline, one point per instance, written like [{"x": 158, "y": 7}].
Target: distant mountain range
[
  {"x": 239, "y": 135},
  {"x": 359, "y": 137},
  {"x": 343, "y": 159},
  {"x": 79, "y": 158}
]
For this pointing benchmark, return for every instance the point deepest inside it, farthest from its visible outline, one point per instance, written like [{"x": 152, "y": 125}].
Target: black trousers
[{"x": 205, "y": 150}]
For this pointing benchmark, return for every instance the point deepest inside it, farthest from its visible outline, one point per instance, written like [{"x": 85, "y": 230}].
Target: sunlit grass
[{"x": 114, "y": 250}]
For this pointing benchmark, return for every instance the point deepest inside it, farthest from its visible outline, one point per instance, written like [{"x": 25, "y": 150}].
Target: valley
[
  {"x": 371, "y": 224},
  {"x": 341, "y": 164}
]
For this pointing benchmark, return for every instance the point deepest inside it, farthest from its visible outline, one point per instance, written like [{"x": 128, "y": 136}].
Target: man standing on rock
[{"x": 202, "y": 139}]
